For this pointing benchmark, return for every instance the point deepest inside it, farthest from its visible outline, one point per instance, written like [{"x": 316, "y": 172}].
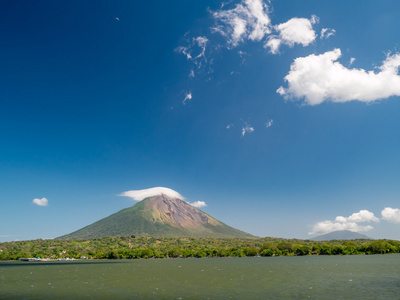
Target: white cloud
[
  {"x": 269, "y": 123},
  {"x": 361, "y": 216},
  {"x": 229, "y": 126},
  {"x": 185, "y": 51},
  {"x": 294, "y": 31},
  {"x": 139, "y": 195},
  {"x": 274, "y": 43},
  {"x": 346, "y": 223},
  {"x": 352, "y": 60},
  {"x": 201, "y": 41},
  {"x": 247, "y": 129},
  {"x": 319, "y": 78},
  {"x": 41, "y": 202},
  {"x": 195, "y": 45},
  {"x": 326, "y": 33},
  {"x": 187, "y": 97},
  {"x": 391, "y": 214},
  {"x": 198, "y": 204},
  {"x": 247, "y": 20},
  {"x": 329, "y": 226},
  {"x": 314, "y": 19},
  {"x": 191, "y": 74}
]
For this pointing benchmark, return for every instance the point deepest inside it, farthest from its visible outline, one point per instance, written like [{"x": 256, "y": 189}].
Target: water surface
[{"x": 308, "y": 277}]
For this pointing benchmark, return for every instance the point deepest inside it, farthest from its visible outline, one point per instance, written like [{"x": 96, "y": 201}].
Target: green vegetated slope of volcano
[{"x": 159, "y": 216}]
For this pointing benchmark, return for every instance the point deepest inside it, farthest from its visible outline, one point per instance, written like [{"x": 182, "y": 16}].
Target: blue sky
[{"x": 283, "y": 117}]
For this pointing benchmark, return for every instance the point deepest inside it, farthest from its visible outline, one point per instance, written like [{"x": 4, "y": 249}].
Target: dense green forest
[{"x": 149, "y": 247}]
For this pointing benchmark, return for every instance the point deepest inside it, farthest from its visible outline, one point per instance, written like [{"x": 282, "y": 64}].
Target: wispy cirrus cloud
[
  {"x": 320, "y": 78},
  {"x": 187, "y": 97},
  {"x": 269, "y": 123},
  {"x": 247, "y": 129},
  {"x": 326, "y": 33},
  {"x": 195, "y": 50}
]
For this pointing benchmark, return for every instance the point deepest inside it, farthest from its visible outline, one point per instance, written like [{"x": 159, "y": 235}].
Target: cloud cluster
[
  {"x": 352, "y": 222},
  {"x": 326, "y": 33},
  {"x": 249, "y": 20},
  {"x": 41, "y": 202},
  {"x": 319, "y": 78},
  {"x": 139, "y": 195},
  {"x": 247, "y": 129},
  {"x": 342, "y": 223},
  {"x": 195, "y": 49}
]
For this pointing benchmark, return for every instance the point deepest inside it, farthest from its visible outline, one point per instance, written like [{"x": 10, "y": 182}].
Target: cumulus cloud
[
  {"x": 361, "y": 216},
  {"x": 391, "y": 215},
  {"x": 346, "y": 223},
  {"x": 187, "y": 97},
  {"x": 269, "y": 123},
  {"x": 247, "y": 129},
  {"x": 139, "y": 195},
  {"x": 41, "y": 202},
  {"x": 319, "y": 78},
  {"x": 198, "y": 204},
  {"x": 294, "y": 31},
  {"x": 247, "y": 20},
  {"x": 326, "y": 33}
]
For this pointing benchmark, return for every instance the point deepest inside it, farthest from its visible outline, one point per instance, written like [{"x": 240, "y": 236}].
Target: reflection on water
[{"x": 311, "y": 277}]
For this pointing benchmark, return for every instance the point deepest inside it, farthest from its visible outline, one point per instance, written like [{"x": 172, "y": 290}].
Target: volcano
[{"x": 159, "y": 216}]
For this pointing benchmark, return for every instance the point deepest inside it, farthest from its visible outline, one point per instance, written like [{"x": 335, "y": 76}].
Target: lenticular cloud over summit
[{"x": 139, "y": 195}]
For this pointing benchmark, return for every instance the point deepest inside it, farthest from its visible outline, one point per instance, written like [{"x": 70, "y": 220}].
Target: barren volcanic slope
[{"x": 159, "y": 216}]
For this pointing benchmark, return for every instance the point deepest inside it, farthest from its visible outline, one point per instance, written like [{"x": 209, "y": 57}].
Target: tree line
[{"x": 131, "y": 247}]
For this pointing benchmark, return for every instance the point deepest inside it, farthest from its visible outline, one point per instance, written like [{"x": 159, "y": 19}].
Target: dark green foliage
[{"x": 152, "y": 247}]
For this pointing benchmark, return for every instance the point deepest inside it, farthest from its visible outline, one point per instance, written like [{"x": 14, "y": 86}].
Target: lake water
[{"x": 307, "y": 277}]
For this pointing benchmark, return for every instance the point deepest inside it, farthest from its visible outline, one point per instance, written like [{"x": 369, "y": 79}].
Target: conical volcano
[{"x": 159, "y": 216}]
